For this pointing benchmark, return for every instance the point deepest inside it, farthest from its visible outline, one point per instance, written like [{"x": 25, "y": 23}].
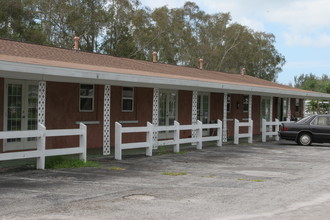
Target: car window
[
  {"x": 322, "y": 121},
  {"x": 304, "y": 120}
]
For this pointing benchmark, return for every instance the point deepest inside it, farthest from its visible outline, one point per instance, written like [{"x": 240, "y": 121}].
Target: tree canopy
[
  {"x": 126, "y": 28},
  {"x": 317, "y": 84}
]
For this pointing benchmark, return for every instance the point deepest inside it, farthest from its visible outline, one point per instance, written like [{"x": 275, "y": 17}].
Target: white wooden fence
[
  {"x": 41, "y": 152},
  {"x": 248, "y": 135},
  {"x": 267, "y": 129},
  {"x": 176, "y": 141}
]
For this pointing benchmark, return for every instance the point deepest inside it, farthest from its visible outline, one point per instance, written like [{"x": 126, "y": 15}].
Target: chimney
[
  {"x": 201, "y": 62},
  {"x": 154, "y": 57},
  {"x": 243, "y": 71},
  {"x": 76, "y": 43}
]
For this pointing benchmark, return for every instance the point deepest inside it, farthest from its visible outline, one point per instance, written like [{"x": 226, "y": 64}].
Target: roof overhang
[{"x": 28, "y": 71}]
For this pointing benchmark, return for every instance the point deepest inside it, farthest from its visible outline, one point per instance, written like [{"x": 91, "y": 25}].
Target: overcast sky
[{"x": 301, "y": 28}]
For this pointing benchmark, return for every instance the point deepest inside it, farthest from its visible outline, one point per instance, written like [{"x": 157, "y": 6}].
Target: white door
[
  {"x": 203, "y": 110},
  {"x": 21, "y": 112},
  {"x": 167, "y": 111}
]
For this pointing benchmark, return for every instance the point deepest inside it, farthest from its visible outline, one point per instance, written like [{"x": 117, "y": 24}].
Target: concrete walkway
[{"x": 261, "y": 181}]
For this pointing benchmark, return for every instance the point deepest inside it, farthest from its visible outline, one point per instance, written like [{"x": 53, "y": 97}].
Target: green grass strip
[{"x": 174, "y": 173}]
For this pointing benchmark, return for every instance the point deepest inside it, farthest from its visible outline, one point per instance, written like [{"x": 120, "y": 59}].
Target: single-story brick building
[{"x": 61, "y": 87}]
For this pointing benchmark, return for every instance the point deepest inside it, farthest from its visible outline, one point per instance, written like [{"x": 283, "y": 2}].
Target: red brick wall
[
  {"x": 62, "y": 112},
  {"x": 256, "y": 102},
  {"x": 275, "y": 108},
  {"x": 143, "y": 98},
  {"x": 185, "y": 110},
  {"x": 236, "y": 112},
  {"x": 216, "y": 106}
]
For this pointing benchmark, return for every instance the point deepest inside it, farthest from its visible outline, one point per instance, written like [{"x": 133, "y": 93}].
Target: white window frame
[
  {"x": 127, "y": 98},
  {"x": 86, "y": 96}
]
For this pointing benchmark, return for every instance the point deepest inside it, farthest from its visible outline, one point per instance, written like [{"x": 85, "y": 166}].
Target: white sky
[{"x": 301, "y": 28}]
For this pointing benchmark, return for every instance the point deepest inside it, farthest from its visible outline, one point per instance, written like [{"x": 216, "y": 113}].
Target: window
[
  {"x": 297, "y": 105},
  {"x": 322, "y": 121},
  {"x": 246, "y": 103},
  {"x": 228, "y": 103},
  {"x": 128, "y": 99},
  {"x": 86, "y": 98}
]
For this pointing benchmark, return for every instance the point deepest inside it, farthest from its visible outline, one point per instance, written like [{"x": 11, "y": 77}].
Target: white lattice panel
[
  {"x": 106, "y": 120},
  {"x": 155, "y": 107},
  {"x": 41, "y": 102},
  {"x": 224, "y": 123},
  {"x": 194, "y": 113},
  {"x": 250, "y": 107}
]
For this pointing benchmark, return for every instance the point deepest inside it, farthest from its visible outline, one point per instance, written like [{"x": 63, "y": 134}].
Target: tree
[
  {"x": 317, "y": 84},
  {"x": 18, "y": 21},
  {"x": 125, "y": 28}
]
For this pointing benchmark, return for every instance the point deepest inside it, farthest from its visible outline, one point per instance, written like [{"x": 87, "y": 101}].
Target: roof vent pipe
[
  {"x": 76, "y": 43},
  {"x": 201, "y": 62},
  {"x": 243, "y": 72},
  {"x": 154, "y": 57}
]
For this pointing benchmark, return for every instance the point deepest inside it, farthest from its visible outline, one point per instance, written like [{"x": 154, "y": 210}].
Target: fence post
[
  {"x": 236, "y": 131},
  {"x": 118, "y": 136},
  {"x": 277, "y": 128},
  {"x": 263, "y": 130},
  {"x": 83, "y": 142},
  {"x": 199, "y": 135},
  {"x": 41, "y": 147},
  {"x": 150, "y": 139},
  {"x": 250, "y": 140},
  {"x": 219, "y": 133},
  {"x": 176, "y": 137}
]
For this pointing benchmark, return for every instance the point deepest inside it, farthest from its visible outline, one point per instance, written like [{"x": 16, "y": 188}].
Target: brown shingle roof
[{"x": 52, "y": 56}]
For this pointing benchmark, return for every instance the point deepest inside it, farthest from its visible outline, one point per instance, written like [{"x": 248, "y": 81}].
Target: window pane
[
  {"x": 127, "y": 105},
  {"x": 127, "y": 92},
  {"x": 86, "y": 104},
  {"x": 86, "y": 90}
]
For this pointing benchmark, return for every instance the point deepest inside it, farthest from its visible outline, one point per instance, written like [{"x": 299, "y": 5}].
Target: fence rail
[
  {"x": 41, "y": 152},
  {"x": 248, "y": 135},
  {"x": 267, "y": 129},
  {"x": 176, "y": 141}
]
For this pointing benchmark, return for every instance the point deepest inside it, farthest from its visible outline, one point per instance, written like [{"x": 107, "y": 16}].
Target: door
[
  {"x": 167, "y": 111},
  {"x": 203, "y": 110},
  {"x": 21, "y": 101},
  {"x": 320, "y": 128}
]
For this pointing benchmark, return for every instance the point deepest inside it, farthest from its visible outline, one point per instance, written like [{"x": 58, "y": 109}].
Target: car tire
[{"x": 305, "y": 139}]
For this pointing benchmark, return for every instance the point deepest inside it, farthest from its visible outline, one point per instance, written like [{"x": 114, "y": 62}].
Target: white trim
[
  {"x": 24, "y": 144},
  {"x": 106, "y": 119},
  {"x": 60, "y": 74},
  {"x": 168, "y": 93},
  {"x": 42, "y": 87}
]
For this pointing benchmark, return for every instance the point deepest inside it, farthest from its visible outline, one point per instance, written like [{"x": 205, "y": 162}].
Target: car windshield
[{"x": 304, "y": 120}]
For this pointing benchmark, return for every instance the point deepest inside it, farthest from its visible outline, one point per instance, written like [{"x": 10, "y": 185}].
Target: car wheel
[{"x": 305, "y": 139}]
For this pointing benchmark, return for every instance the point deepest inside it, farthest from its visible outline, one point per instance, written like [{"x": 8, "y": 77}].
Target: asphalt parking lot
[{"x": 277, "y": 180}]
